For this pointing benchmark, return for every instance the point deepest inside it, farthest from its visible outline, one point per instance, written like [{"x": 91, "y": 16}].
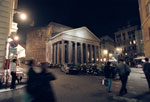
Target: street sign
[
  {"x": 13, "y": 44},
  {"x": 116, "y": 53}
]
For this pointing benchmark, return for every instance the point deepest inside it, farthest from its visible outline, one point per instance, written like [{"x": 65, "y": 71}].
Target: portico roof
[{"x": 82, "y": 32}]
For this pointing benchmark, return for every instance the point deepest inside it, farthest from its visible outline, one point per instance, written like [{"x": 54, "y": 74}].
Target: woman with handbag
[{"x": 109, "y": 75}]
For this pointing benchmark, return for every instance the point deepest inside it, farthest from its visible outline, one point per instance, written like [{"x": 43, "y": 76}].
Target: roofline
[{"x": 76, "y": 29}]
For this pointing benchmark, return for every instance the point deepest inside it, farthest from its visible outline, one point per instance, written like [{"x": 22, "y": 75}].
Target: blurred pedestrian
[
  {"x": 124, "y": 72},
  {"x": 13, "y": 70},
  {"x": 31, "y": 88},
  {"x": 146, "y": 70},
  {"x": 46, "y": 91},
  {"x": 109, "y": 74},
  {"x": 38, "y": 84}
]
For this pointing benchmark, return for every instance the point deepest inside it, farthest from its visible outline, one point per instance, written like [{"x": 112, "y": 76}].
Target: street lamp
[
  {"x": 16, "y": 38},
  {"x": 23, "y": 16}
]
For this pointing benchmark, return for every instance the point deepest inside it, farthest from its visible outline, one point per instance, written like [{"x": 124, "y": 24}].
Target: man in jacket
[
  {"x": 13, "y": 73},
  {"x": 124, "y": 72},
  {"x": 146, "y": 70}
]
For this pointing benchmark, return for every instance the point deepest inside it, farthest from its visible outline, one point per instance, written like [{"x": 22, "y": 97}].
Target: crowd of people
[
  {"x": 124, "y": 71},
  {"x": 39, "y": 89}
]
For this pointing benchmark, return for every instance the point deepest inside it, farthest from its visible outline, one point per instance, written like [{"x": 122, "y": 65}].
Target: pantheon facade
[{"x": 62, "y": 44}]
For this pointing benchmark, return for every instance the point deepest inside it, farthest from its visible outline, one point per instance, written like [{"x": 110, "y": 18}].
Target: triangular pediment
[{"x": 82, "y": 32}]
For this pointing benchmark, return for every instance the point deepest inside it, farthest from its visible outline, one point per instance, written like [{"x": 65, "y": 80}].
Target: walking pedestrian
[
  {"x": 124, "y": 72},
  {"x": 146, "y": 70},
  {"x": 38, "y": 84},
  {"x": 13, "y": 73},
  {"x": 109, "y": 74},
  {"x": 46, "y": 87}
]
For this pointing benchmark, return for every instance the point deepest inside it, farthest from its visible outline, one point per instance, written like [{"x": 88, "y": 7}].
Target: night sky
[{"x": 102, "y": 17}]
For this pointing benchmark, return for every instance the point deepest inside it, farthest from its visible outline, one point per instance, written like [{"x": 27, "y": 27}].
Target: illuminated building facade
[
  {"x": 144, "y": 8},
  {"x": 129, "y": 39},
  {"x": 6, "y": 26},
  {"x": 59, "y": 44}
]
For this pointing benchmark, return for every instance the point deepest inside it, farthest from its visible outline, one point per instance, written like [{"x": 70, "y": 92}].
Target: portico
[{"x": 75, "y": 46}]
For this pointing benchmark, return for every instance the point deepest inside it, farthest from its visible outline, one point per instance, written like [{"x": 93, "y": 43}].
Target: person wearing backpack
[
  {"x": 146, "y": 69},
  {"x": 124, "y": 72}
]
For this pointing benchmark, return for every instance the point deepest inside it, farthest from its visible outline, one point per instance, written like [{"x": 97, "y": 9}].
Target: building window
[
  {"x": 124, "y": 38},
  {"x": 133, "y": 36},
  {"x": 130, "y": 42},
  {"x": 118, "y": 38},
  {"x": 134, "y": 42}
]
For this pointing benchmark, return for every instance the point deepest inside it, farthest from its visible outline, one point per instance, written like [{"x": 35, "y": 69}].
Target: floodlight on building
[
  {"x": 101, "y": 59},
  {"x": 126, "y": 53}
]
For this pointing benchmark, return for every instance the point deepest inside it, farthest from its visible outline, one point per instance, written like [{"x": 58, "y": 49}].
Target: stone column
[
  {"x": 58, "y": 50},
  {"x": 62, "y": 52},
  {"x": 86, "y": 47},
  {"x": 95, "y": 51},
  {"x": 54, "y": 53},
  {"x": 81, "y": 46},
  {"x": 76, "y": 62},
  {"x": 91, "y": 57},
  {"x": 99, "y": 52},
  {"x": 70, "y": 52}
]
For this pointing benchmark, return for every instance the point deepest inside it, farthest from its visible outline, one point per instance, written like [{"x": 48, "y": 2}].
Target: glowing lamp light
[
  {"x": 23, "y": 16},
  {"x": 104, "y": 59},
  {"x": 97, "y": 59},
  {"x": 16, "y": 38},
  {"x": 11, "y": 54},
  {"x": 9, "y": 40},
  {"x": 92, "y": 59},
  {"x": 119, "y": 49},
  {"x": 134, "y": 42},
  {"x": 110, "y": 55},
  {"x": 106, "y": 52}
]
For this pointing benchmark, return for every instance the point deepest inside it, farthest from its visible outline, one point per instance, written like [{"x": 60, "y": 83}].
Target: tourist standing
[
  {"x": 109, "y": 75},
  {"x": 13, "y": 70}
]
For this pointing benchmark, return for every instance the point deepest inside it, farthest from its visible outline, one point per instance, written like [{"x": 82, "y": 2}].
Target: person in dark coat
[
  {"x": 109, "y": 74},
  {"x": 46, "y": 91},
  {"x": 146, "y": 69},
  {"x": 124, "y": 72},
  {"x": 38, "y": 84}
]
